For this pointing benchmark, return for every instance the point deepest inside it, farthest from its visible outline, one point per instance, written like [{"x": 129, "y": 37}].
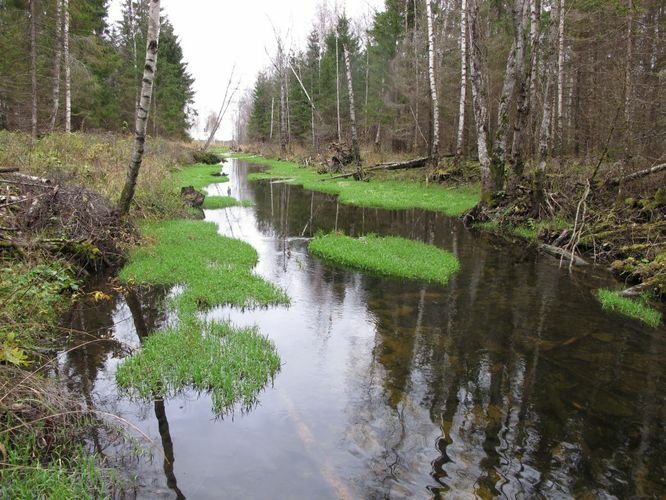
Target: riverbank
[
  {"x": 630, "y": 240},
  {"x": 57, "y": 230}
]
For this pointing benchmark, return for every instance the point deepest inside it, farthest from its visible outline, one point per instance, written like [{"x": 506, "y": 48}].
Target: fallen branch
[
  {"x": 8, "y": 170},
  {"x": 563, "y": 254},
  {"x": 417, "y": 163},
  {"x": 635, "y": 176}
]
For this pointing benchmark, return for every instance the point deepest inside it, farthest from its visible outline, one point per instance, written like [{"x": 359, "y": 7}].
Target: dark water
[{"x": 510, "y": 381}]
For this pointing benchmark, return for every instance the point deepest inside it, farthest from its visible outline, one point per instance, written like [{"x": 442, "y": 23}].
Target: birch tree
[
  {"x": 434, "y": 147},
  {"x": 463, "y": 78},
  {"x": 356, "y": 150},
  {"x": 57, "y": 69},
  {"x": 33, "y": 67},
  {"x": 480, "y": 101},
  {"x": 149, "y": 69},
  {"x": 68, "y": 70},
  {"x": 560, "y": 78}
]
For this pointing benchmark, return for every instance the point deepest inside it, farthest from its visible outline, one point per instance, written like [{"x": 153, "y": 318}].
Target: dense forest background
[
  {"x": 48, "y": 46},
  {"x": 585, "y": 77}
]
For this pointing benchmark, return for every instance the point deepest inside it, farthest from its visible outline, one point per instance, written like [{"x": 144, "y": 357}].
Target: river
[{"x": 510, "y": 381}]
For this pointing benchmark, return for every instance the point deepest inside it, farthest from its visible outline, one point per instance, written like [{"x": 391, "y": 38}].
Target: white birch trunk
[
  {"x": 68, "y": 70},
  {"x": 33, "y": 67},
  {"x": 628, "y": 87},
  {"x": 135, "y": 55},
  {"x": 535, "y": 14},
  {"x": 149, "y": 69},
  {"x": 56, "y": 69},
  {"x": 560, "y": 79},
  {"x": 463, "y": 78},
  {"x": 270, "y": 136},
  {"x": 337, "y": 85},
  {"x": 479, "y": 100},
  {"x": 546, "y": 119},
  {"x": 434, "y": 148},
  {"x": 356, "y": 150}
]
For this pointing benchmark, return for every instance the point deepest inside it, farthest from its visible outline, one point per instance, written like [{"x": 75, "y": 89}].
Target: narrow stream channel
[{"x": 510, "y": 381}]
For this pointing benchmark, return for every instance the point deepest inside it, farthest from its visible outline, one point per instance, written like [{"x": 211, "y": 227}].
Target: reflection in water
[{"x": 510, "y": 381}]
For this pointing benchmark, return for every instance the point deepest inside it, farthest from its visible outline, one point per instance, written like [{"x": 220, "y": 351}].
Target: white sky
[{"x": 216, "y": 34}]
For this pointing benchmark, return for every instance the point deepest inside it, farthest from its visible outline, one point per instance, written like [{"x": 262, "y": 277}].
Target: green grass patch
[
  {"x": 390, "y": 256},
  {"x": 637, "y": 309},
  {"x": 232, "y": 364},
  {"x": 387, "y": 194},
  {"x": 217, "y": 202},
  {"x": 199, "y": 176},
  {"x": 76, "y": 475}
]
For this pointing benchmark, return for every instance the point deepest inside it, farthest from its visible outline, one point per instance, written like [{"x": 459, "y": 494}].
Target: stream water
[{"x": 510, "y": 381}]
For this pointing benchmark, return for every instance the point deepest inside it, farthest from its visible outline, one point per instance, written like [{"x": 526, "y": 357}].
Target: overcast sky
[{"x": 216, "y": 34}]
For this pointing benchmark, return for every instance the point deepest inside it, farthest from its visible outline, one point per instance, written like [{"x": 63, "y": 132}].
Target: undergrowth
[
  {"x": 637, "y": 309},
  {"x": 390, "y": 256},
  {"x": 376, "y": 193}
]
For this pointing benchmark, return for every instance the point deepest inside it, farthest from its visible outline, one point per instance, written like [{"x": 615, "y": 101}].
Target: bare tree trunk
[
  {"x": 337, "y": 85},
  {"x": 434, "y": 147},
  {"x": 544, "y": 133},
  {"x": 270, "y": 136},
  {"x": 560, "y": 82},
  {"x": 149, "y": 70},
  {"x": 68, "y": 70},
  {"x": 56, "y": 70},
  {"x": 378, "y": 135},
  {"x": 135, "y": 55},
  {"x": 514, "y": 65},
  {"x": 523, "y": 102},
  {"x": 463, "y": 79},
  {"x": 367, "y": 80},
  {"x": 283, "y": 102},
  {"x": 33, "y": 67},
  {"x": 628, "y": 87},
  {"x": 416, "y": 81},
  {"x": 479, "y": 99},
  {"x": 356, "y": 150},
  {"x": 229, "y": 93},
  {"x": 535, "y": 14}
]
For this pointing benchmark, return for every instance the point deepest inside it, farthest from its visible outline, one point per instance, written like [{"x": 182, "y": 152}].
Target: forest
[{"x": 421, "y": 252}]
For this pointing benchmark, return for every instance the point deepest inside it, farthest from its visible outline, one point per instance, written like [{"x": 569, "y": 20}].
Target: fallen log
[
  {"x": 636, "y": 175},
  {"x": 563, "y": 254},
  {"x": 8, "y": 170},
  {"x": 417, "y": 163}
]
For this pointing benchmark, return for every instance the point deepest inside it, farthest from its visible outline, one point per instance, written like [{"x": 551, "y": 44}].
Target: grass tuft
[
  {"x": 390, "y": 256},
  {"x": 218, "y": 202},
  {"x": 614, "y": 302},
  {"x": 232, "y": 364},
  {"x": 200, "y": 175},
  {"x": 387, "y": 194}
]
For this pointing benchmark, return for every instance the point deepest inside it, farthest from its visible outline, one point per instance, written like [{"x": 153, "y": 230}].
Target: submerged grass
[
  {"x": 217, "y": 202},
  {"x": 637, "y": 309},
  {"x": 232, "y": 364},
  {"x": 390, "y": 256},
  {"x": 387, "y": 194}
]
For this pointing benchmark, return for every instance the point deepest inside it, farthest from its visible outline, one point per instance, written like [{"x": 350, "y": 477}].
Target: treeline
[
  {"x": 514, "y": 80},
  {"x": 63, "y": 67}
]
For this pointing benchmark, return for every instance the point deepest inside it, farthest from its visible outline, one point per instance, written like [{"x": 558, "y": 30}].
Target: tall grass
[{"x": 612, "y": 301}]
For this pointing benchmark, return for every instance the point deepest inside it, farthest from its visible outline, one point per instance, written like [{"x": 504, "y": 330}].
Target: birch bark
[
  {"x": 560, "y": 80},
  {"x": 33, "y": 67},
  {"x": 356, "y": 151},
  {"x": 463, "y": 78},
  {"x": 68, "y": 70},
  {"x": 479, "y": 100},
  {"x": 142, "y": 111},
  {"x": 434, "y": 147},
  {"x": 57, "y": 69}
]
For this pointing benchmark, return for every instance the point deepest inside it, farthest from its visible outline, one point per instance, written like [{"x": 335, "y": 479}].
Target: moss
[
  {"x": 637, "y": 309},
  {"x": 390, "y": 256},
  {"x": 387, "y": 194},
  {"x": 213, "y": 270}
]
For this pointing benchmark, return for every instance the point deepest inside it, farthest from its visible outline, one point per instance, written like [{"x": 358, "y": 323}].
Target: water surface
[{"x": 510, "y": 381}]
